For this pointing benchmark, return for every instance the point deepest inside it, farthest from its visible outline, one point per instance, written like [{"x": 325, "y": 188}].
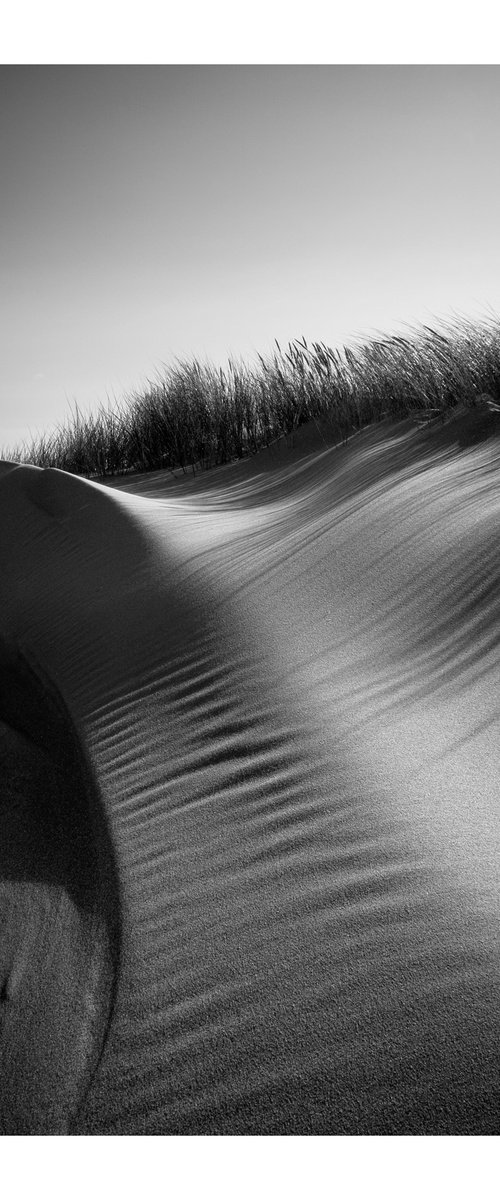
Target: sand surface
[{"x": 286, "y": 676}]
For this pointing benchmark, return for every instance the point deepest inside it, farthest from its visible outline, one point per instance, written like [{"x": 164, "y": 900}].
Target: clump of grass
[{"x": 196, "y": 415}]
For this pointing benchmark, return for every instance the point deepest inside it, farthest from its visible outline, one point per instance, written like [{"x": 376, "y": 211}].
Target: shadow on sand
[{"x": 59, "y": 898}]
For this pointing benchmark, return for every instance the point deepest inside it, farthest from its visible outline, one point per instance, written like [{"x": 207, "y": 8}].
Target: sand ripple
[{"x": 287, "y": 680}]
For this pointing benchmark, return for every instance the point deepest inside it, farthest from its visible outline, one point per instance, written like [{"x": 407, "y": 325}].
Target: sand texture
[{"x": 250, "y": 783}]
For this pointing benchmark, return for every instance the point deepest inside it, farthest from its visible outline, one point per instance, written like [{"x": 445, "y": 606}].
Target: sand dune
[{"x": 276, "y": 871}]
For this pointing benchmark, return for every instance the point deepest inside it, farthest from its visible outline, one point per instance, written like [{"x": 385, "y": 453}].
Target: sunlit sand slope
[{"x": 286, "y": 674}]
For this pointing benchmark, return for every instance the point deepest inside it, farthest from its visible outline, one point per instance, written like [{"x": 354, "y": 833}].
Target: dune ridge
[{"x": 286, "y": 677}]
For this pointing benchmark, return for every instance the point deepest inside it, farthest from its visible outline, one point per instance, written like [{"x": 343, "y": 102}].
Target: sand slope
[{"x": 286, "y": 674}]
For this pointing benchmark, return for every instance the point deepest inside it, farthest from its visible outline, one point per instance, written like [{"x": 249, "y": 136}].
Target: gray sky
[{"x": 148, "y": 213}]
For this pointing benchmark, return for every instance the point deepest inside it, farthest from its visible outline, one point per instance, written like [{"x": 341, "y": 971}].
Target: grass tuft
[{"x": 196, "y": 415}]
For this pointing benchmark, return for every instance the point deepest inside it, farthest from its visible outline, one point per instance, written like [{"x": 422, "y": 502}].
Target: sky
[{"x": 154, "y": 213}]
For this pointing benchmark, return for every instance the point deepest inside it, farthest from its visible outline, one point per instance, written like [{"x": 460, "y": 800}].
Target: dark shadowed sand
[
  {"x": 265, "y": 898},
  {"x": 59, "y": 907}
]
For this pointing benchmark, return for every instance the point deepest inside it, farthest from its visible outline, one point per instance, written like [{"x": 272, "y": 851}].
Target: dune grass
[{"x": 196, "y": 415}]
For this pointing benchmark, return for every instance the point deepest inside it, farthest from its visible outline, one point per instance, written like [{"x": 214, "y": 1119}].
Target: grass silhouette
[{"x": 197, "y": 415}]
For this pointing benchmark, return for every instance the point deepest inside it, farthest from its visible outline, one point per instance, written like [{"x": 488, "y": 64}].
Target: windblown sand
[{"x": 285, "y": 674}]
